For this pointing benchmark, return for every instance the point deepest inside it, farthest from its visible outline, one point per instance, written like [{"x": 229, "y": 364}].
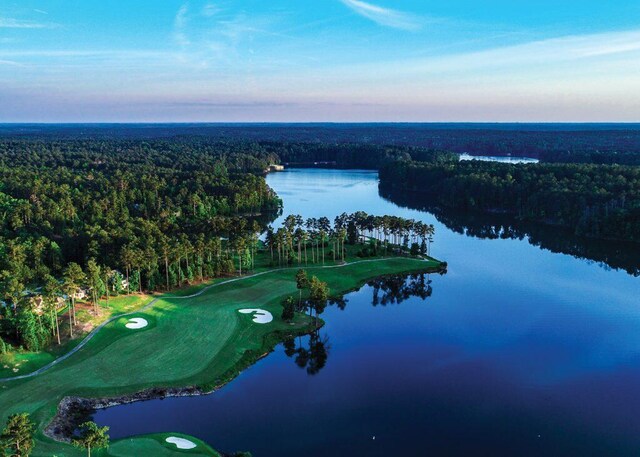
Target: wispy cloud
[
  {"x": 72, "y": 53},
  {"x": 210, "y": 9},
  {"x": 40, "y": 11},
  {"x": 10, "y": 63},
  {"x": 383, "y": 16},
  {"x": 10, "y": 23},
  {"x": 552, "y": 56},
  {"x": 545, "y": 52},
  {"x": 209, "y": 34},
  {"x": 179, "y": 25}
]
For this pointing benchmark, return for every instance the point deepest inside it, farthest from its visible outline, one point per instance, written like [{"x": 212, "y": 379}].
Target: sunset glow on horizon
[{"x": 334, "y": 60}]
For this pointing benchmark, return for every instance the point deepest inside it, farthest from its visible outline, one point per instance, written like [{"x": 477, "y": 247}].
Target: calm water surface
[
  {"x": 502, "y": 159},
  {"x": 517, "y": 352}
]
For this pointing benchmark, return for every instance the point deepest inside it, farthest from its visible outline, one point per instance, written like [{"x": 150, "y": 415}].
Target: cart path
[{"x": 174, "y": 297}]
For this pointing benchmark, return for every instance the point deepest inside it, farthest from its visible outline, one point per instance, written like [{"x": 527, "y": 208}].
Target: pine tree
[
  {"x": 17, "y": 436},
  {"x": 92, "y": 437}
]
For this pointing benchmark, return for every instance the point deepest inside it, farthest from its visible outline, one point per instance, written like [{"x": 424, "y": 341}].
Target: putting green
[
  {"x": 156, "y": 445},
  {"x": 199, "y": 340}
]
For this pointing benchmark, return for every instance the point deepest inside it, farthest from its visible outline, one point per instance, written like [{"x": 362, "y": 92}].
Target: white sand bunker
[
  {"x": 181, "y": 443},
  {"x": 261, "y": 316},
  {"x": 137, "y": 322}
]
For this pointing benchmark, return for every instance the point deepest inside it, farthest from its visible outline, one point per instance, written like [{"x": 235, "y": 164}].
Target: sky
[{"x": 322, "y": 60}]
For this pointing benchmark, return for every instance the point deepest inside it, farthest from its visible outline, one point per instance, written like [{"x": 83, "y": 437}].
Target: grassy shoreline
[{"x": 204, "y": 328}]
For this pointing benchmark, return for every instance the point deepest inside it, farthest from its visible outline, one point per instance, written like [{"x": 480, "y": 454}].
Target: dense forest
[
  {"x": 65, "y": 202},
  {"x": 611, "y": 157},
  {"x": 130, "y": 214},
  {"x": 117, "y": 215},
  {"x": 599, "y": 201},
  {"x": 345, "y": 156},
  {"x": 597, "y": 143},
  {"x": 82, "y": 219}
]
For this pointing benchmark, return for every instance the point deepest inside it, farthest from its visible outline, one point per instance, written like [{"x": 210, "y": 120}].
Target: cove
[{"x": 515, "y": 351}]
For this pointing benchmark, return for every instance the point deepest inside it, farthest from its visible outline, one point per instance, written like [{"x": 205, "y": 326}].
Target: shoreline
[
  {"x": 202, "y": 290},
  {"x": 57, "y": 420},
  {"x": 73, "y": 410}
]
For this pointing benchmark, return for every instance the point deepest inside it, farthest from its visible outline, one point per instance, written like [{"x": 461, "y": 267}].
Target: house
[
  {"x": 80, "y": 294},
  {"x": 38, "y": 303}
]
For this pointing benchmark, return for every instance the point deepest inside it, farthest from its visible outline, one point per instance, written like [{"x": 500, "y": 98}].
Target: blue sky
[{"x": 323, "y": 60}]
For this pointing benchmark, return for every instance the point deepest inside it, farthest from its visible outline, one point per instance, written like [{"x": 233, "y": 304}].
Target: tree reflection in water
[
  {"x": 607, "y": 253},
  {"x": 311, "y": 352},
  {"x": 393, "y": 290}
]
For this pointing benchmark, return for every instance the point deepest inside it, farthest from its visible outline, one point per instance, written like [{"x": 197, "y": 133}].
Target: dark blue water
[{"x": 517, "y": 351}]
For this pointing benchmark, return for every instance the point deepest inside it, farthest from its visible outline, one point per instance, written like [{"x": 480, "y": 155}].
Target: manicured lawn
[
  {"x": 156, "y": 446},
  {"x": 25, "y": 362},
  {"x": 201, "y": 340}
]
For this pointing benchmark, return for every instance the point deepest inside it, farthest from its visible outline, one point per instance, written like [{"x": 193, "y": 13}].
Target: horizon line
[{"x": 97, "y": 123}]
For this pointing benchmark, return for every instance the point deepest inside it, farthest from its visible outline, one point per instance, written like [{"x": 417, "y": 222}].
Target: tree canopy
[
  {"x": 17, "y": 437},
  {"x": 598, "y": 201}
]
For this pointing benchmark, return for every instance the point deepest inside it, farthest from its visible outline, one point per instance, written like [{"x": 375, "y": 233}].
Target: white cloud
[
  {"x": 179, "y": 25},
  {"x": 562, "y": 53},
  {"x": 10, "y": 23},
  {"x": 210, "y": 9},
  {"x": 383, "y": 16},
  {"x": 540, "y": 52},
  {"x": 10, "y": 63},
  {"x": 72, "y": 53}
]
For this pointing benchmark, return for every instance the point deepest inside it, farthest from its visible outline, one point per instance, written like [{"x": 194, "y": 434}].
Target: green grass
[
  {"x": 200, "y": 340},
  {"x": 155, "y": 445},
  {"x": 22, "y": 362}
]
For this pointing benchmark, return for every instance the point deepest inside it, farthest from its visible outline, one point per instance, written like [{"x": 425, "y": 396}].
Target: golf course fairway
[{"x": 196, "y": 340}]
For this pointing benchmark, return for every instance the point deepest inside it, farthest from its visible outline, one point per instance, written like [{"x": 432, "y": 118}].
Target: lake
[
  {"x": 502, "y": 159},
  {"x": 516, "y": 351}
]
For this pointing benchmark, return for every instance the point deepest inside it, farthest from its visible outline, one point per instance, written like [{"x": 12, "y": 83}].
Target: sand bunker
[
  {"x": 137, "y": 322},
  {"x": 261, "y": 316},
  {"x": 181, "y": 443}
]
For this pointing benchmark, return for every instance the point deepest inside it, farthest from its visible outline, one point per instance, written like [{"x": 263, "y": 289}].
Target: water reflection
[
  {"x": 503, "y": 159},
  {"x": 609, "y": 254},
  {"x": 311, "y": 352},
  {"x": 393, "y": 290},
  {"x": 516, "y": 352}
]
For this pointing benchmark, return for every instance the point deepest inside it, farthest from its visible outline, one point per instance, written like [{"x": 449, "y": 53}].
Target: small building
[
  {"x": 37, "y": 302},
  {"x": 275, "y": 167},
  {"x": 81, "y": 294}
]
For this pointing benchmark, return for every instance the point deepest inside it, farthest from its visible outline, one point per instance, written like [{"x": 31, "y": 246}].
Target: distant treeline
[
  {"x": 595, "y": 143},
  {"x": 186, "y": 154},
  {"x": 599, "y": 201},
  {"x": 596, "y": 157},
  {"x": 364, "y": 156}
]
